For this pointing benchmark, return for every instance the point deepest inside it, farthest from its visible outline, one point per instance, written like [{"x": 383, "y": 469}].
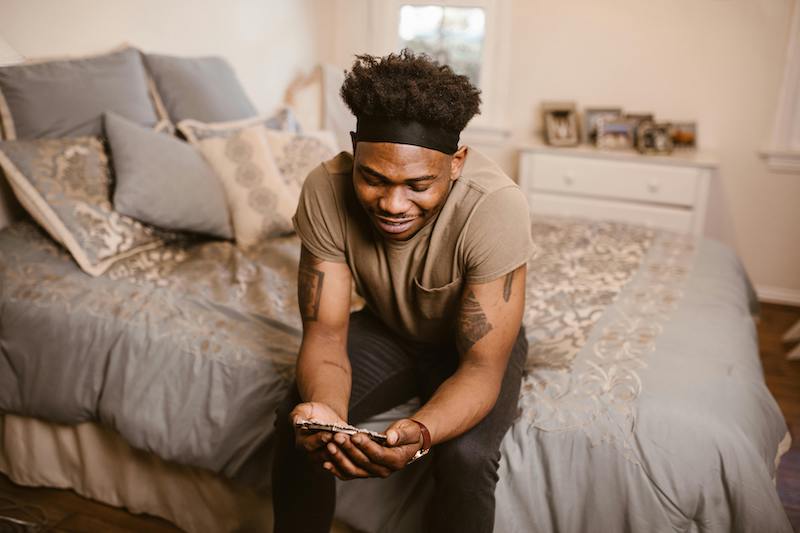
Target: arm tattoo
[
  {"x": 309, "y": 288},
  {"x": 472, "y": 323},
  {"x": 507, "y": 286}
]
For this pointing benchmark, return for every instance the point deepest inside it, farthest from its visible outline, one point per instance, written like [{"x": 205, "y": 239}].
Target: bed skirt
[{"x": 98, "y": 464}]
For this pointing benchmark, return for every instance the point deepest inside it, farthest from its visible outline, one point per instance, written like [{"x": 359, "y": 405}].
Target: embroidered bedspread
[
  {"x": 643, "y": 407},
  {"x": 185, "y": 350}
]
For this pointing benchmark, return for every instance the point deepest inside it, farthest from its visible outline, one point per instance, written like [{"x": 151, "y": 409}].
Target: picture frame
[
  {"x": 639, "y": 119},
  {"x": 615, "y": 133},
  {"x": 684, "y": 134},
  {"x": 560, "y": 123},
  {"x": 590, "y": 117},
  {"x": 655, "y": 138}
]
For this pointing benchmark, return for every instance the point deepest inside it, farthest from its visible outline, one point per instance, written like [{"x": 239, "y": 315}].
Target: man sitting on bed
[{"x": 436, "y": 239}]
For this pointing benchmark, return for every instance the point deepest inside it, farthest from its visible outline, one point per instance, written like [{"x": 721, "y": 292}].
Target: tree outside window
[{"x": 451, "y": 35}]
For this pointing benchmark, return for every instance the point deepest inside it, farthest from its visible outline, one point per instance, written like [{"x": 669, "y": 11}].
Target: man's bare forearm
[
  {"x": 323, "y": 374},
  {"x": 460, "y": 402}
]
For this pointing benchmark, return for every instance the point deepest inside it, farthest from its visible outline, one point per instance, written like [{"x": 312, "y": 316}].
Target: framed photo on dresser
[
  {"x": 590, "y": 117},
  {"x": 616, "y": 133},
  {"x": 560, "y": 122}
]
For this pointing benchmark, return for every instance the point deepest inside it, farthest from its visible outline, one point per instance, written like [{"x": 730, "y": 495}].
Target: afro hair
[{"x": 410, "y": 87}]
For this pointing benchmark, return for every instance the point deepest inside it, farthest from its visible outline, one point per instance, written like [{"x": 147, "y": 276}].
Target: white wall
[
  {"x": 717, "y": 62},
  {"x": 267, "y": 41}
]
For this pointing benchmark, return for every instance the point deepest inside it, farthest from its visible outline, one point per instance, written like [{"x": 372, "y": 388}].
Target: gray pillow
[
  {"x": 200, "y": 88},
  {"x": 164, "y": 182},
  {"x": 67, "y": 98}
]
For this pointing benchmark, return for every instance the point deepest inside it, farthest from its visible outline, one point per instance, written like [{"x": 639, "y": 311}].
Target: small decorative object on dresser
[
  {"x": 615, "y": 133},
  {"x": 638, "y": 119},
  {"x": 590, "y": 118},
  {"x": 654, "y": 139},
  {"x": 684, "y": 134},
  {"x": 669, "y": 192},
  {"x": 560, "y": 121}
]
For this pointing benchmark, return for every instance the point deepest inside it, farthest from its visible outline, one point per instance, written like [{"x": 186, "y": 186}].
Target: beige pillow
[
  {"x": 64, "y": 184},
  {"x": 260, "y": 201},
  {"x": 297, "y": 154}
]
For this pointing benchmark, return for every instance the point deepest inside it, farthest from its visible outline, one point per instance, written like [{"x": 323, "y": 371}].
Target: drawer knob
[
  {"x": 653, "y": 186},
  {"x": 569, "y": 178}
]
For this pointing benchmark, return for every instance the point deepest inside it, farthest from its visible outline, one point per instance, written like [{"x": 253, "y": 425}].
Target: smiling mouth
[{"x": 394, "y": 226}]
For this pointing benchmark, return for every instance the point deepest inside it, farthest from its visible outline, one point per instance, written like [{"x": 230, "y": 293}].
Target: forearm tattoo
[
  {"x": 507, "y": 286},
  {"x": 472, "y": 323},
  {"x": 309, "y": 287}
]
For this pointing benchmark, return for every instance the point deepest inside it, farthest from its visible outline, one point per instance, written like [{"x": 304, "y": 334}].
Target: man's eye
[{"x": 420, "y": 188}]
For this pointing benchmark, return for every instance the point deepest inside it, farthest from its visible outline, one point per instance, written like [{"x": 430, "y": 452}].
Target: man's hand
[
  {"x": 360, "y": 457},
  {"x": 314, "y": 443}
]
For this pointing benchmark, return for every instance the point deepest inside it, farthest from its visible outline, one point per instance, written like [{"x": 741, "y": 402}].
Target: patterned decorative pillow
[
  {"x": 65, "y": 185},
  {"x": 260, "y": 201},
  {"x": 297, "y": 154}
]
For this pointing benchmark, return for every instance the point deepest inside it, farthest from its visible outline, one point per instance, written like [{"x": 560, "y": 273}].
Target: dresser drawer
[
  {"x": 626, "y": 180},
  {"x": 675, "y": 219}
]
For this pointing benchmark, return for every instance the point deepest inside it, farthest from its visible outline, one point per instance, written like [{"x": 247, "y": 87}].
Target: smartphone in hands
[{"x": 316, "y": 427}]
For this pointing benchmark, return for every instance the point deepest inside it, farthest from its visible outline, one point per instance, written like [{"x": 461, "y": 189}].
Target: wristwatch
[{"x": 426, "y": 441}]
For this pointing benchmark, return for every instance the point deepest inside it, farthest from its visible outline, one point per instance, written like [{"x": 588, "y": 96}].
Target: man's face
[{"x": 402, "y": 186}]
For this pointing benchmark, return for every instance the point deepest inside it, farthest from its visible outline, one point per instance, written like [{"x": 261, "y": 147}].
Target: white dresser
[{"x": 668, "y": 192}]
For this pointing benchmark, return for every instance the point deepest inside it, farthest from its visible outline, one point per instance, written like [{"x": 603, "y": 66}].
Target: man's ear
[{"x": 457, "y": 163}]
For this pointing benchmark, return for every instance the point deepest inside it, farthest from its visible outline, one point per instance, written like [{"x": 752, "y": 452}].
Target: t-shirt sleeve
[
  {"x": 498, "y": 238},
  {"x": 318, "y": 219}
]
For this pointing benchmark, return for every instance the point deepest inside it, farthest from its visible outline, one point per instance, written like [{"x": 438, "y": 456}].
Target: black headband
[{"x": 378, "y": 129}]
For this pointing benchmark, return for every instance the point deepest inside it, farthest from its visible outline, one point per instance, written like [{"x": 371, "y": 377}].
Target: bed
[
  {"x": 643, "y": 407},
  {"x": 141, "y": 367}
]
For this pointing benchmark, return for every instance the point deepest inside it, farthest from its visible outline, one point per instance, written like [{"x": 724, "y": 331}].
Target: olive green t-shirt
[{"x": 481, "y": 233}]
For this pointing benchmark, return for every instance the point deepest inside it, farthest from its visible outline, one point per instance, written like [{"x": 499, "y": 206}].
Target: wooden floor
[
  {"x": 54, "y": 510},
  {"x": 783, "y": 380},
  {"x": 64, "y": 511}
]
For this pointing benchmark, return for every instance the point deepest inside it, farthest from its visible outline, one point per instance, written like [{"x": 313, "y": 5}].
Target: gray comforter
[{"x": 643, "y": 408}]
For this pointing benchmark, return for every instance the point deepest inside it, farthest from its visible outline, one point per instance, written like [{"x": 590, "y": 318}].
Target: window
[
  {"x": 472, "y": 36},
  {"x": 451, "y": 35}
]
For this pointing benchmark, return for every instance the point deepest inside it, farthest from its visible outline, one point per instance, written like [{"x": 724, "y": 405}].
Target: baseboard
[{"x": 778, "y": 295}]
